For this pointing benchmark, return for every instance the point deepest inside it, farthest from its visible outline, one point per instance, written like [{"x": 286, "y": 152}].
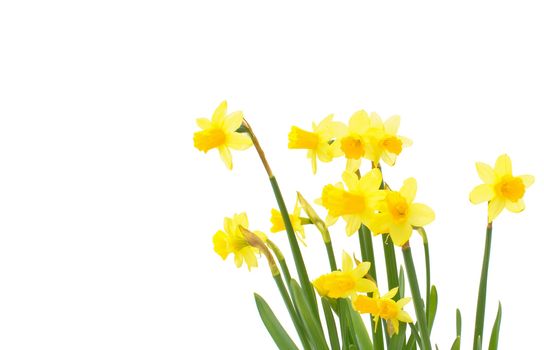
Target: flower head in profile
[
  {"x": 397, "y": 214},
  {"x": 384, "y": 143},
  {"x": 320, "y": 142},
  {"x": 384, "y": 307},
  {"x": 233, "y": 241},
  {"x": 278, "y": 225},
  {"x": 356, "y": 204},
  {"x": 354, "y": 144},
  {"x": 220, "y": 132},
  {"x": 347, "y": 282},
  {"x": 500, "y": 188}
]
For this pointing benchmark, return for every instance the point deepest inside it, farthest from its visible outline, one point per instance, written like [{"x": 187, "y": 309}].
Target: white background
[{"x": 107, "y": 211}]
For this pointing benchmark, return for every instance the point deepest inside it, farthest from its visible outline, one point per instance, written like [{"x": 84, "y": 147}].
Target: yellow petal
[
  {"x": 233, "y": 121},
  {"x": 503, "y": 166},
  {"x": 391, "y": 125},
  {"x": 400, "y": 234},
  {"x": 347, "y": 263},
  {"x": 372, "y": 180},
  {"x": 312, "y": 156},
  {"x": 409, "y": 189},
  {"x": 240, "y": 220},
  {"x": 249, "y": 257},
  {"x": 496, "y": 205},
  {"x": 224, "y": 152},
  {"x": 403, "y": 316},
  {"x": 352, "y": 165},
  {"x": 402, "y": 302},
  {"x": 362, "y": 269},
  {"x": 220, "y": 244},
  {"x": 359, "y": 122},
  {"x": 219, "y": 114},
  {"x": 420, "y": 214},
  {"x": 391, "y": 293},
  {"x": 485, "y": 172},
  {"x": 406, "y": 142},
  {"x": 238, "y": 141},
  {"x": 238, "y": 258},
  {"x": 389, "y": 158},
  {"x": 481, "y": 193},
  {"x": 350, "y": 179},
  {"x": 203, "y": 123},
  {"x": 365, "y": 286},
  {"x": 515, "y": 207},
  {"x": 375, "y": 121},
  {"x": 353, "y": 222},
  {"x": 528, "y": 180}
]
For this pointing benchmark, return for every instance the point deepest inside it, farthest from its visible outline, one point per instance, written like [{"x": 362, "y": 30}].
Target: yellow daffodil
[
  {"x": 397, "y": 214},
  {"x": 345, "y": 283},
  {"x": 385, "y": 308},
  {"x": 320, "y": 142},
  {"x": 384, "y": 143},
  {"x": 232, "y": 240},
  {"x": 355, "y": 143},
  {"x": 356, "y": 205},
  {"x": 500, "y": 188},
  {"x": 220, "y": 132},
  {"x": 278, "y": 225}
]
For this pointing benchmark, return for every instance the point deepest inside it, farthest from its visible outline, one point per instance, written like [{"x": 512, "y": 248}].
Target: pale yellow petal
[
  {"x": 391, "y": 125},
  {"x": 220, "y": 244},
  {"x": 372, "y": 180},
  {"x": 249, "y": 257},
  {"x": 391, "y": 293},
  {"x": 330, "y": 220},
  {"x": 400, "y": 234},
  {"x": 402, "y": 302},
  {"x": 224, "y": 152},
  {"x": 389, "y": 158},
  {"x": 406, "y": 142},
  {"x": 528, "y": 180},
  {"x": 362, "y": 269},
  {"x": 403, "y": 316},
  {"x": 409, "y": 189},
  {"x": 359, "y": 122},
  {"x": 241, "y": 220},
  {"x": 238, "y": 258},
  {"x": 503, "y": 166},
  {"x": 238, "y": 141},
  {"x": 420, "y": 214},
  {"x": 352, "y": 165},
  {"x": 233, "y": 121},
  {"x": 219, "y": 114},
  {"x": 375, "y": 121},
  {"x": 313, "y": 158},
  {"x": 485, "y": 172},
  {"x": 347, "y": 263},
  {"x": 365, "y": 286},
  {"x": 481, "y": 193},
  {"x": 350, "y": 179},
  {"x": 496, "y": 205},
  {"x": 515, "y": 207},
  {"x": 353, "y": 222},
  {"x": 203, "y": 123}
]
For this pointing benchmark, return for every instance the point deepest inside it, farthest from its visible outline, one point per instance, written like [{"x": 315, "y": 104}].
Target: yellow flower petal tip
[
  {"x": 231, "y": 240},
  {"x": 220, "y": 133},
  {"x": 500, "y": 188}
]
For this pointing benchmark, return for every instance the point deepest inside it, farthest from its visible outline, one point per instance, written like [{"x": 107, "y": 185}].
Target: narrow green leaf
[
  {"x": 456, "y": 344},
  {"x": 411, "y": 344},
  {"x": 312, "y": 325},
  {"x": 361, "y": 335},
  {"x": 331, "y": 324},
  {"x": 458, "y": 323},
  {"x": 413, "y": 329},
  {"x": 494, "y": 340},
  {"x": 482, "y": 290},
  {"x": 433, "y": 304},
  {"x": 274, "y": 327},
  {"x": 479, "y": 343},
  {"x": 402, "y": 282}
]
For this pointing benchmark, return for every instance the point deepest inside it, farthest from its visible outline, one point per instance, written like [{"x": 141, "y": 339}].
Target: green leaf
[
  {"x": 331, "y": 325},
  {"x": 361, "y": 335},
  {"x": 494, "y": 340},
  {"x": 312, "y": 325},
  {"x": 413, "y": 328},
  {"x": 458, "y": 323},
  {"x": 479, "y": 343},
  {"x": 433, "y": 303},
  {"x": 402, "y": 282},
  {"x": 274, "y": 327},
  {"x": 456, "y": 344}
]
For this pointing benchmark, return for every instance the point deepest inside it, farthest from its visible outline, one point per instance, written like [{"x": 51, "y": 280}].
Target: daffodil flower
[
  {"x": 345, "y": 283},
  {"x": 278, "y": 225},
  {"x": 356, "y": 205},
  {"x": 500, "y": 188},
  {"x": 233, "y": 241},
  {"x": 385, "y": 308},
  {"x": 384, "y": 142},
  {"x": 355, "y": 143},
  {"x": 220, "y": 132},
  {"x": 397, "y": 214},
  {"x": 320, "y": 142}
]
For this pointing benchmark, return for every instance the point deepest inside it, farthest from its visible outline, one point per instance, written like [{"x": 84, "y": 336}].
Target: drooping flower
[
  {"x": 347, "y": 282},
  {"x": 385, "y": 308},
  {"x": 320, "y": 142},
  {"x": 278, "y": 225},
  {"x": 500, "y": 188},
  {"x": 233, "y": 241},
  {"x": 357, "y": 204},
  {"x": 355, "y": 143},
  {"x": 220, "y": 132},
  {"x": 384, "y": 143},
  {"x": 397, "y": 214}
]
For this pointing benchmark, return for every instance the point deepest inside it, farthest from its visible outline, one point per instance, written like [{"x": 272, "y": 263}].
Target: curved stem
[{"x": 482, "y": 291}]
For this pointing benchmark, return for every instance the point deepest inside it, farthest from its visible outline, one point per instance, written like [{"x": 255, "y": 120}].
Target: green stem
[
  {"x": 416, "y": 295},
  {"x": 281, "y": 260},
  {"x": 423, "y": 234},
  {"x": 330, "y": 254},
  {"x": 292, "y": 312},
  {"x": 390, "y": 264},
  {"x": 482, "y": 291}
]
